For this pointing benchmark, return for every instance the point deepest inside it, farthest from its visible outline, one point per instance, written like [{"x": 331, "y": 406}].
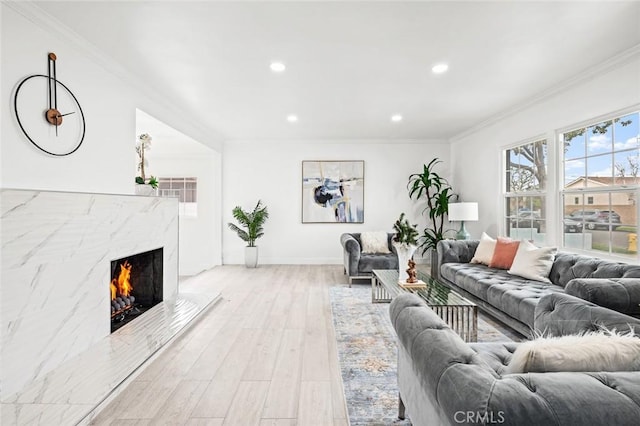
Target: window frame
[
  {"x": 187, "y": 209},
  {"x": 540, "y": 193},
  {"x": 585, "y": 192}
]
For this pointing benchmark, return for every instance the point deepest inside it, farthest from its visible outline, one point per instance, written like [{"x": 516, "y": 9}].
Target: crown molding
[
  {"x": 336, "y": 141},
  {"x": 589, "y": 74},
  {"x": 45, "y": 21}
]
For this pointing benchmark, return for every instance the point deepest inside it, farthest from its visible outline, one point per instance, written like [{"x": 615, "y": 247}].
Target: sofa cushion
[
  {"x": 504, "y": 253},
  {"x": 374, "y": 242},
  {"x": 369, "y": 262},
  {"x": 496, "y": 355},
  {"x": 484, "y": 252},
  {"x": 515, "y": 296},
  {"x": 597, "y": 351},
  {"x": 619, "y": 294},
  {"x": 533, "y": 262},
  {"x": 568, "y": 266}
]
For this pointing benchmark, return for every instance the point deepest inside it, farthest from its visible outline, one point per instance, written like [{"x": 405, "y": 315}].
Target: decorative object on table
[
  {"x": 461, "y": 212},
  {"x": 405, "y": 242},
  {"x": 333, "y": 192},
  {"x": 144, "y": 186},
  {"x": 433, "y": 190},
  {"x": 59, "y": 129},
  {"x": 412, "y": 273},
  {"x": 252, "y": 222}
]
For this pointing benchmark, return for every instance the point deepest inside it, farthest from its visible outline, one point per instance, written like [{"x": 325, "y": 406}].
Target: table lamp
[{"x": 463, "y": 212}]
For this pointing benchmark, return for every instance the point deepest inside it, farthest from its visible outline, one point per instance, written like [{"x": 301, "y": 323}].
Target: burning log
[{"x": 121, "y": 297}]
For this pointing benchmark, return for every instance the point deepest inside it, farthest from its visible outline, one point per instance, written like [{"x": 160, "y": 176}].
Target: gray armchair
[{"x": 358, "y": 265}]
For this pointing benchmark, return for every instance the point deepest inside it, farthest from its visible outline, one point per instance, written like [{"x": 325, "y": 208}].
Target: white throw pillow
[
  {"x": 374, "y": 242},
  {"x": 484, "y": 252},
  {"x": 533, "y": 262},
  {"x": 595, "y": 351}
]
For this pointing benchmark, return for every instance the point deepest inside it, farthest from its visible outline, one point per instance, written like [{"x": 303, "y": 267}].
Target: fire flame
[{"x": 122, "y": 285}]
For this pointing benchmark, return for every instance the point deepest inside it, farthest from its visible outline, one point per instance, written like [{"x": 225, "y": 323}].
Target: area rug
[{"x": 368, "y": 354}]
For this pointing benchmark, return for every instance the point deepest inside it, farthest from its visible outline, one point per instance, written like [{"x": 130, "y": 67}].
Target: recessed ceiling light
[
  {"x": 440, "y": 68},
  {"x": 277, "y": 66},
  {"x": 292, "y": 118},
  {"x": 396, "y": 118}
]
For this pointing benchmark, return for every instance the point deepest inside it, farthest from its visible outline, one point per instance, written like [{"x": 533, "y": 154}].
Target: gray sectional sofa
[
  {"x": 445, "y": 381},
  {"x": 513, "y": 299}
]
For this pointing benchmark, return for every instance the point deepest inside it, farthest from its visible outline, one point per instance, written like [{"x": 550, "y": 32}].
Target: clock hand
[
  {"x": 52, "y": 57},
  {"x": 50, "y": 67},
  {"x": 62, "y": 115}
]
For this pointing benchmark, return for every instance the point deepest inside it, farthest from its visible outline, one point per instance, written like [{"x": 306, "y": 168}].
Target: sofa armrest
[
  {"x": 456, "y": 251},
  {"x": 619, "y": 294},
  {"x": 352, "y": 252},
  {"x": 559, "y": 314}
]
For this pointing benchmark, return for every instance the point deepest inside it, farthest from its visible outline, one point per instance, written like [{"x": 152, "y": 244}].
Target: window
[
  {"x": 576, "y": 200},
  {"x": 525, "y": 191},
  {"x": 600, "y": 165},
  {"x": 185, "y": 189}
]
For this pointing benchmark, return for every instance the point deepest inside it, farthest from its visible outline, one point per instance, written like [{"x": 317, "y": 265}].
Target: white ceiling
[{"x": 351, "y": 65}]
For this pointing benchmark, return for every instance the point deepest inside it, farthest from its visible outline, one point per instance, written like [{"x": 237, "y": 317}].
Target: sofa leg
[{"x": 401, "y": 407}]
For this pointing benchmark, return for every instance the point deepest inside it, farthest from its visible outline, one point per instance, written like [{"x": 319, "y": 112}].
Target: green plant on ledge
[
  {"x": 153, "y": 181},
  {"x": 251, "y": 221},
  {"x": 406, "y": 233},
  {"x": 436, "y": 192}
]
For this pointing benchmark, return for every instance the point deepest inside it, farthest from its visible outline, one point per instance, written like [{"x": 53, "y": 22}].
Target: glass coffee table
[{"x": 459, "y": 313}]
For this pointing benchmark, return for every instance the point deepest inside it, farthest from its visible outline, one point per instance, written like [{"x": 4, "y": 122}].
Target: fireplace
[{"x": 135, "y": 287}]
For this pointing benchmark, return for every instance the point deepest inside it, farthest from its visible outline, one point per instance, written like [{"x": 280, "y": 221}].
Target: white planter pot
[
  {"x": 405, "y": 252},
  {"x": 251, "y": 257},
  {"x": 144, "y": 189}
]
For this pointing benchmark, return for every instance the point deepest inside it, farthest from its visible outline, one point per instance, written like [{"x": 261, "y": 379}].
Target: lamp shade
[{"x": 463, "y": 211}]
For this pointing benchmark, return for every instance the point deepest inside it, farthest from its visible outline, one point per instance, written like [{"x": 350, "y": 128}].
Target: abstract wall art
[{"x": 332, "y": 191}]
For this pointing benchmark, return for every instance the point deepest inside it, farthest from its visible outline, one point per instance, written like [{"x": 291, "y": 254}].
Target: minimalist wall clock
[{"x": 48, "y": 113}]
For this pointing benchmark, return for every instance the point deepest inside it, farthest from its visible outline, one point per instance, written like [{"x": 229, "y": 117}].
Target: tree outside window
[{"x": 525, "y": 192}]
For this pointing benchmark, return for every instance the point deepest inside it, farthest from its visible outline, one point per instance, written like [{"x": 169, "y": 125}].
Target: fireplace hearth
[{"x": 135, "y": 287}]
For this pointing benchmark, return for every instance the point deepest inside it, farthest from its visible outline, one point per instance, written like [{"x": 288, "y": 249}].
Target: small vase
[
  {"x": 251, "y": 257},
  {"x": 405, "y": 252}
]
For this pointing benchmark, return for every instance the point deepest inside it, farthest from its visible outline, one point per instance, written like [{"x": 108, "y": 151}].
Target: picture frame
[{"x": 333, "y": 191}]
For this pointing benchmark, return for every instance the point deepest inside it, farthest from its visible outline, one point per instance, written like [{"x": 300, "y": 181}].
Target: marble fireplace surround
[{"x": 59, "y": 359}]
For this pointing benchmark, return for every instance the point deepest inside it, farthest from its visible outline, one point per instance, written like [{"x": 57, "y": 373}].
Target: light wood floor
[{"x": 264, "y": 355}]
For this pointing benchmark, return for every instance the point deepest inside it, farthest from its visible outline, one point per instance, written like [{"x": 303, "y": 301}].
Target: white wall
[
  {"x": 272, "y": 172},
  {"x": 476, "y": 157},
  {"x": 174, "y": 154},
  {"x": 200, "y": 240},
  {"x": 106, "y": 161}
]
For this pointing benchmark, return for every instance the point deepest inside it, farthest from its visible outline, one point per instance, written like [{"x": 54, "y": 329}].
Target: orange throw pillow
[{"x": 505, "y": 252}]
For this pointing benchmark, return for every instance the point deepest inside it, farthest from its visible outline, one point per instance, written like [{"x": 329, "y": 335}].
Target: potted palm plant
[
  {"x": 252, "y": 223},
  {"x": 405, "y": 242},
  {"x": 435, "y": 191}
]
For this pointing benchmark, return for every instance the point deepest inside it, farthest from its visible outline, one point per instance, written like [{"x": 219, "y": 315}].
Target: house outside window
[
  {"x": 185, "y": 189},
  {"x": 525, "y": 177},
  {"x": 600, "y": 165}
]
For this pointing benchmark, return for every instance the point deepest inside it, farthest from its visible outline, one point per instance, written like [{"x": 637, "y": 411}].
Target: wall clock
[{"x": 48, "y": 113}]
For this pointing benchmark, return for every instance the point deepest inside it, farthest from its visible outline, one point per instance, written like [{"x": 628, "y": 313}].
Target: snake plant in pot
[{"x": 252, "y": 223}]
